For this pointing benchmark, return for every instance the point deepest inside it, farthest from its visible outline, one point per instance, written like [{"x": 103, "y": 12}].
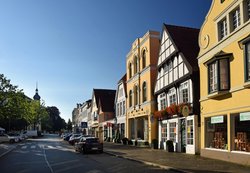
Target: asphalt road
[{"x": 52, "y": 155}]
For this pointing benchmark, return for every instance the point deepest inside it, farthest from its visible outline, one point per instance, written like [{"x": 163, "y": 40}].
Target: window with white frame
[
  {"x": 120, "y": 108},
  {"x": 172, "y": 131},
  {"x": 222, "y": 28},
  {"x": 247, "y": 61},
  {"x": 184, "y": 93},
  {"x": 162, "y": 101},
  {"x": 190, "y": 132},
  {"x": 218, "y": 76},
  {"x": 123, "y": 104},
  {"x": 164, "y": 132},
  {"x": 117, "y": 109},
  {"x": 235, "y": 18},
  {"x": 172, "y": 96},
  {"x": 246, "y": 10},
  {"x": 212, "y": 77}
]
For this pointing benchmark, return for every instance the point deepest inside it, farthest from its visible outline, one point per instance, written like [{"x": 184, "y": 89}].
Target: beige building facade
[{"x": 141, "y": 70}]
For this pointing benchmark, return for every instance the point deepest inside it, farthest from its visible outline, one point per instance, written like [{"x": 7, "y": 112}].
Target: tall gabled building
[
  {"x": 141, "y": 77},
  {"x": 224, "y": 62},
  {"x": 177, "y": 86},
  {"x": 102, "y": 109}
]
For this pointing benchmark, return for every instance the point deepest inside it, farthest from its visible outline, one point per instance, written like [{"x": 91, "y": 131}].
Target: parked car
[
  {"x": 7, "y": 138},
  {"x": 66, "y": 138},
  {"x": 31, "y": 133},
  {"x": 88, "y": 144},
  {"x": 74, "y": 138}
]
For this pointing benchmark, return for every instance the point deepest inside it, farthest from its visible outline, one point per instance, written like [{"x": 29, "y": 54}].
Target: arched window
[
  {"x": 130, "y": 98},
  {"x": 143, "y": 59},
  {"x": 130, "y": 70},
  {"x": 135, "y": 64},
  {"x": 144, "y": 92},
  {"x": 136, "y": 91}
]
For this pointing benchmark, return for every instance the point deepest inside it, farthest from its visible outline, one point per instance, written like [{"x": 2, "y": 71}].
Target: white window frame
[
  {"x": 163, "y": 101},
  {"x": 184, "y": 98},
  {"x": 222, "y": 28},
  {"x": 172, "y": 96}
]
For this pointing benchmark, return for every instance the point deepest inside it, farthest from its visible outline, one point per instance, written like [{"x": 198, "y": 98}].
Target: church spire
[{"x": 36, "y": 96}]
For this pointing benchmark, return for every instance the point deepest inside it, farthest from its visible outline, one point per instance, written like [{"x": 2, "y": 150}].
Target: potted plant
[
  {"x": 169, "y": 146},
  {"x": 125, "y": 141},
  {"x": 154, "y": 144}
]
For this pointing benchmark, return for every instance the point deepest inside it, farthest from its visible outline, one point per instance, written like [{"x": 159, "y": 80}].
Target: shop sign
[
  {"x": 218, "y": 119},
  {"x": 245, "y": 116}
]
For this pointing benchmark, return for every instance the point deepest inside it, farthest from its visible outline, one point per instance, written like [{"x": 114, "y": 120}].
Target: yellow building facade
[
  {"x": 141, "y": 65},
  {"x": 224, "y": 63}
]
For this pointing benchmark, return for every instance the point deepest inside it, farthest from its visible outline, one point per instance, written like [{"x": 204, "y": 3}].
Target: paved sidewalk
[{"x": 173, "y": 161}]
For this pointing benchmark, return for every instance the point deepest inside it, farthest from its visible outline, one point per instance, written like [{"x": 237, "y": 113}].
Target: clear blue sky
[{"x": 72, "y": 46}]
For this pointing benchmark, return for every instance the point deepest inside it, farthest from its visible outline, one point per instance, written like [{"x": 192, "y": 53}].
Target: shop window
[
  {"x": 190, "y": 132},
  {"x": 222, "y": 29},
  {"x": 242, "y": 132},
  {"x": 216, "y": 132},
  {"x": 172, "y": 131},
  {"x": 164, "y": 132},
  {"x": 218, "y": 75}
]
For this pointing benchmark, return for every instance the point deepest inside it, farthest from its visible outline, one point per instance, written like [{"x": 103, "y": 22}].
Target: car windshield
[{"x": 91, "y": 140}]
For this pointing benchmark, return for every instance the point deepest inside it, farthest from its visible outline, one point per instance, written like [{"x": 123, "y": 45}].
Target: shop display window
[
  {"x": 172, "y": 130},
  {"x": 164, "y": 133},
  {"x": 216, "y": 132},
  {"x": 190, "y": 132},
  {"x": 241, "y": 132}
]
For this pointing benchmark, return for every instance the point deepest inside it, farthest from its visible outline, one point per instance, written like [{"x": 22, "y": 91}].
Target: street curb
[{"x": 147, "y": 163}]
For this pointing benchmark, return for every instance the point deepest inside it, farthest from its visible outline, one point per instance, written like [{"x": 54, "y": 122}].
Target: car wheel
[
  {"x": 12, "y": 141},
  {"x": 84, "y": 150}
]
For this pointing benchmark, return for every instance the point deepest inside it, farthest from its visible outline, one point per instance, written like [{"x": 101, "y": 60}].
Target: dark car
[{"x": 88, "y": 144}]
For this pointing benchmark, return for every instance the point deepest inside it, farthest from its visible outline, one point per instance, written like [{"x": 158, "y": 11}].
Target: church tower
[{"x": 36, "y": 96}]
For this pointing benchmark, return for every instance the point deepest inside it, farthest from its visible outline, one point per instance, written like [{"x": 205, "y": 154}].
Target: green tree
[{"x": 69, "y": 125}]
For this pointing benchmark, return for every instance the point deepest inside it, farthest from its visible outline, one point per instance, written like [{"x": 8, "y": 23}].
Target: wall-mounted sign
[
  {"x": 185, "y": 111},
  {"x": 218, "y": 119},
  {"x": 245, "y": 116}
]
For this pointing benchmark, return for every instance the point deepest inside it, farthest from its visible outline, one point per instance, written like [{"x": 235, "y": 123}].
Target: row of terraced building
[{"x": 187, "y": 85}]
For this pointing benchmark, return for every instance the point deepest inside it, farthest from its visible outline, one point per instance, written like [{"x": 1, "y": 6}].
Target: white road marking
[
  {"x": 45, "y": 157},
  {"x": 24, "y": 147}
]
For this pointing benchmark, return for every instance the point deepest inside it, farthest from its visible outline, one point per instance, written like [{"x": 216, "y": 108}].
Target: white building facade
[{"x": 120, "y": 107}]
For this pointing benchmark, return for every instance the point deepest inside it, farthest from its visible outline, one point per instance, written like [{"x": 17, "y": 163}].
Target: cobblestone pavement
[{"x": 177, "y": 161}]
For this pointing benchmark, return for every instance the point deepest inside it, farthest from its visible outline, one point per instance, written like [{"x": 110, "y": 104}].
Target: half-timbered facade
[{"x": 177, "y": 85}]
